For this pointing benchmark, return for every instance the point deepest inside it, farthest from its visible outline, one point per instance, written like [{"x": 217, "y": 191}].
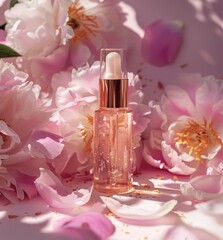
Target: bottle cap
[{"x": 113, "y": 79}]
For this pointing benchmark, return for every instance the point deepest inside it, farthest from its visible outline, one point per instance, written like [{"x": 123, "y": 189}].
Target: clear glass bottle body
[{"x": 113, "y": 146}]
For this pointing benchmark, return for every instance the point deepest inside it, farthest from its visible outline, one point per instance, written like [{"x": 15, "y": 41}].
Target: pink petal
[
  {"x": 187, "y": 232},
  {"x": 94, "y": 226},
  {"x": 11, "y": 135},
  {"x": 79, "y": 54},
  {"x": 205, "y": 187},
  {"x": 57, "y": 195},
  {"x": 45, "y": 144},
  {"x": 24, "y": 184},
  {"x": 161, "y": 42},
  {"x": 139, "y": 209}
]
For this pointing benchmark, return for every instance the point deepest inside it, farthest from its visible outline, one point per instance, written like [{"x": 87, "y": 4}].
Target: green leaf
[
  {"x": 6, "y": 52},
  {"x": 12, "y": 3}
]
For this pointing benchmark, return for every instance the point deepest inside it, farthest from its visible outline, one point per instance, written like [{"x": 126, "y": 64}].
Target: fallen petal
[
  {"x": 187, "y": 232},
  {"x": 161, "y": 42},
  {"x": 138, "y": 209},
  {"x": 203, "y": 188},
  {"x": 58, "y": 195},
  {"x": 92, "y": 226}
]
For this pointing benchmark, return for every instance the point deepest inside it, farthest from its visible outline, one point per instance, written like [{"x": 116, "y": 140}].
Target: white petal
[{"x": 138, "y": 209}]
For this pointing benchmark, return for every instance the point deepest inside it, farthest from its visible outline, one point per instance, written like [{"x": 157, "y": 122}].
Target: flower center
[
  {"x": 87, "y": 134},
  {"x": 83, "y": 24},
  {"x": 198, "y": 139},
  {"x": 4, "y": 141}
]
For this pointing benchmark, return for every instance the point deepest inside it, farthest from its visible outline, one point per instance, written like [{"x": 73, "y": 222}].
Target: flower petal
[
  {"x": 45, "y": 144},
  {"x": 161, "y": 42},
  {"x": 94, "y": 226},
  {"x": 139, "y": 209},
  {"x": 57, "y": 195},
  {"x": 202, "y": 188}
]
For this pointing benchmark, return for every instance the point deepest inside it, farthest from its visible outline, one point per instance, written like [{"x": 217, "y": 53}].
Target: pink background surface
[{"x": 202, "y": 48}]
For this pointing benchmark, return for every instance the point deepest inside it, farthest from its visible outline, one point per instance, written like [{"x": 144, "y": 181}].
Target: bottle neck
[{"x": 113, "y": 93}]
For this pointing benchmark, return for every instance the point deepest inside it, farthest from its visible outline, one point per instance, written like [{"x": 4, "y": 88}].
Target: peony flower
[
  {"x": 53, "y": 36},
  {"x": 38, "y": 30},
  {"x": 96, "y": 24},
  {"x": 185, "y": 131},
  {"x": 161, "y": 42},
  {"x": 21, "y": 114},
  {"x": 77, "y": 103}
]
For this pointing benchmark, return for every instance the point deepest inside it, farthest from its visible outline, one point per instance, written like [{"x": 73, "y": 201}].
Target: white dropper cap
[
  {"x": 113, "y": 84},
  {"x": 113, "y": 64}
]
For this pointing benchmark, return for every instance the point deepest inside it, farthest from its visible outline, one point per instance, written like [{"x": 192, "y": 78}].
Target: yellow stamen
[
  {"x": 83, "y": 24},
  {"x": 198, "y": 138},
  {"x": 87, "y": 134}
]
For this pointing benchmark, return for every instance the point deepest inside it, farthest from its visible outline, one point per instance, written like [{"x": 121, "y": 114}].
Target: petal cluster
[{"x": 185, "y": 130}]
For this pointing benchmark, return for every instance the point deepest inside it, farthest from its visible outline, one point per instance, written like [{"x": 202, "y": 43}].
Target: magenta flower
[
  {"x": 185, "y": 132},
  {"x": 161, "y": 42}
]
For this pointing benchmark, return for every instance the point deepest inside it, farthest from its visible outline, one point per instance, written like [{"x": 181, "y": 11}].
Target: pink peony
[
  {"x": 21, "y": 114},
  {"x": 38, "y": 30},
  {"x": 185, "y": 132},
  {"x": 77, "y": 103},
  {"x": 96, "y": 24},
  {"x": 54, "y": 36}
]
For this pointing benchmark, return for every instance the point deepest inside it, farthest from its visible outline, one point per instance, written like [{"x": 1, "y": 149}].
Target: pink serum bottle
[{"x": 113, "y": 127}]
